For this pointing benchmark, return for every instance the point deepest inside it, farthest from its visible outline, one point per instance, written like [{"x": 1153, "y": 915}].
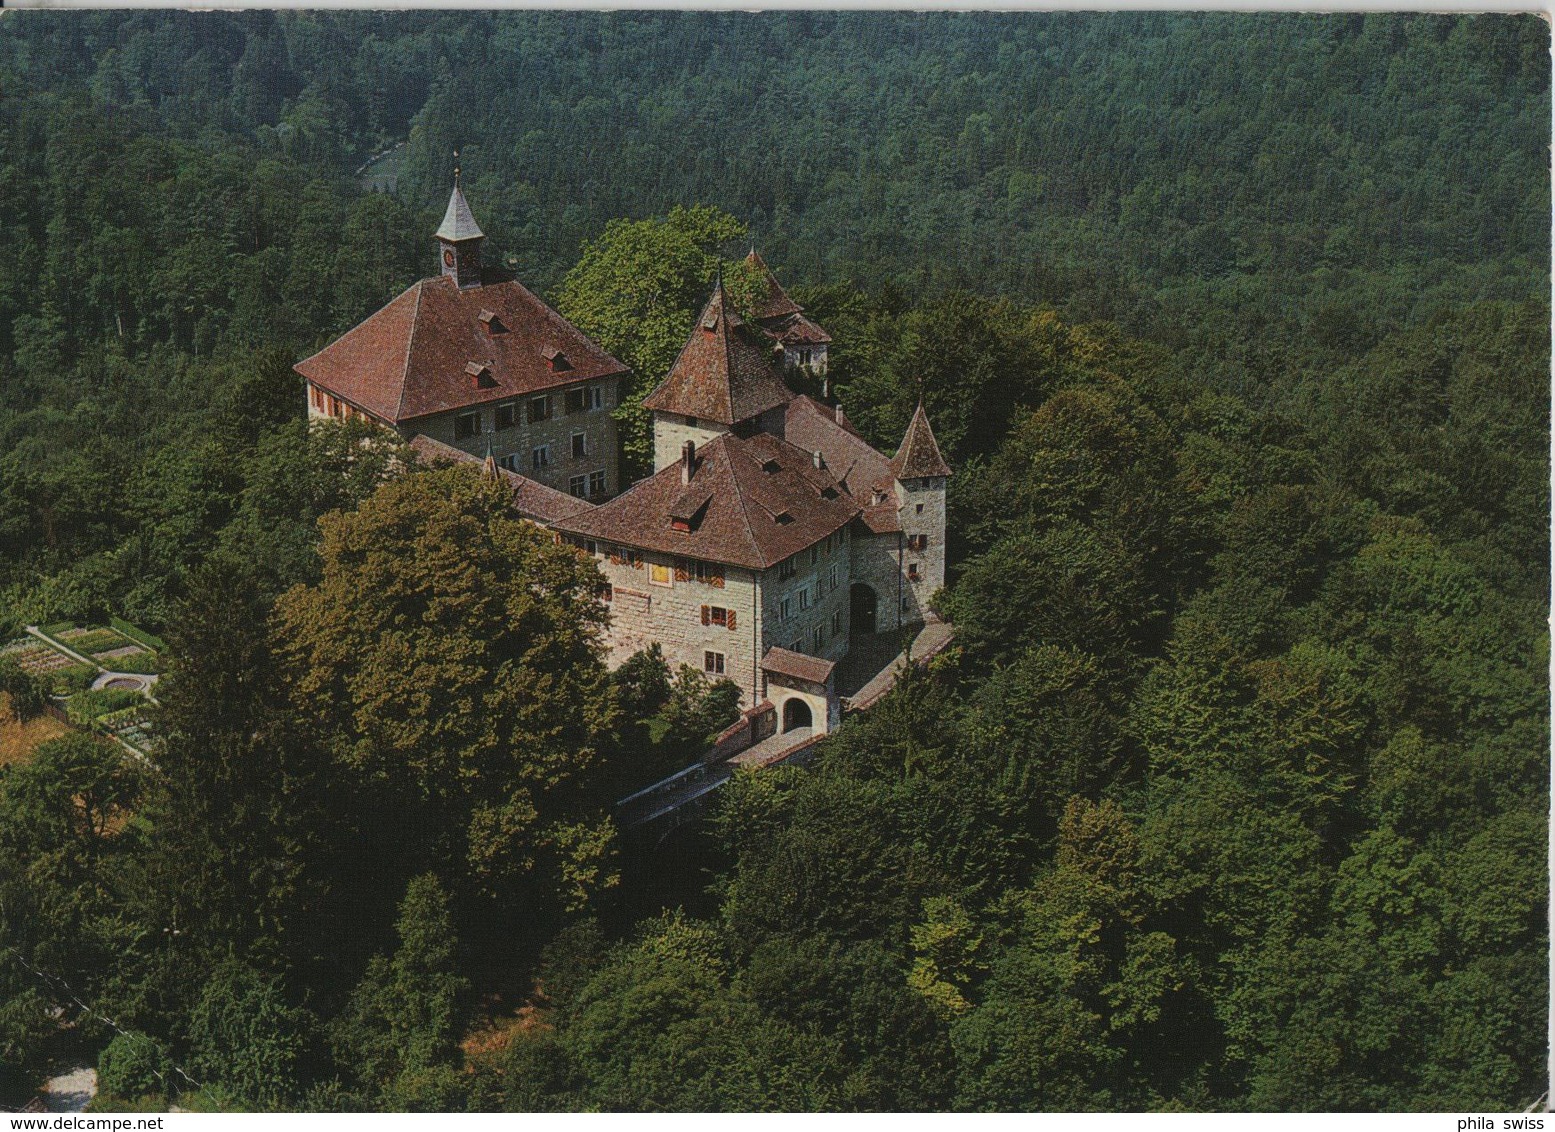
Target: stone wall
[
  {"x": 670, "y": 433},
  {"x": 644, "y": 612},
  {"x": 927, "y": 524},
  {"x": 827, "y": 597},
  {"x": 876, "y": 563},
  {"x": 597, "y": 426}
]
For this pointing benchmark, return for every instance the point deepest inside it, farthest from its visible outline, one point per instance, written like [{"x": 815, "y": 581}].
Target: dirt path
[{"x": 70, "y": 1092}]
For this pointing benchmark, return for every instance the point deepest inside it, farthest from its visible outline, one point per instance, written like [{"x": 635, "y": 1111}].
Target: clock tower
[{"x": 459, "y": 241}]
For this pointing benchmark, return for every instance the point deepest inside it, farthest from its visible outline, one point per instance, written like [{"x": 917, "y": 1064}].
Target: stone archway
[
  {"x": 862, "y": 608},
  {"x": 796, "y": 713}
]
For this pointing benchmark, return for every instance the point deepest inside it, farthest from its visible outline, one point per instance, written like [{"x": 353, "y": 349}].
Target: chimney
[
  {"x": 820, "y": 461},
  {"x": 688, "y": 460}
]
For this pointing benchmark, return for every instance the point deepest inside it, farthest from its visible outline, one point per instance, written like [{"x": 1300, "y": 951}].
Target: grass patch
[
  {"x": 98, "y": 640},
  {"x": 144, "y": 664},
  {"x": 18, "y": 740},
  {"x": 70, "y": 679},
  {"x": 84, "y": 707},
  {"x": 58, "y": 627},
  {"x": 140, "y": 636}
]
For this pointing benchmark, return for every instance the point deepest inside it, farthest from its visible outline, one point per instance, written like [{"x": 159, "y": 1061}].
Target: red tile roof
[
  {"x": 797, "y": 330},
  {"x": 797, "y": 665},
  {"x": 410, "y": 359},
  {"x": 750, "y": 503},
  {"x": 919, "y": 455},
  {"x": 722, "y": 374},
  {"x": 531, "y": 500},
  {"x": 812, "y": 426},
  {"x": 774, "y": 303}
]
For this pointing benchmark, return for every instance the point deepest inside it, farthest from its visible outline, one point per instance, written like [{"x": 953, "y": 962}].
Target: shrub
[
  {"x": 145, "y": 664},
  {"x": 84, "y": 707},
  {"x": 246, "y": 1037},
  {"x": 27, "y": 693},
  {"x": 154, "y": 643},
  {"x": 133, "y": 1065},
  {"x": 75, "y": 678}
]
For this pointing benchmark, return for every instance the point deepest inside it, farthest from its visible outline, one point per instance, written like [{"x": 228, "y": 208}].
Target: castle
[{"x": 770, "y": 535}]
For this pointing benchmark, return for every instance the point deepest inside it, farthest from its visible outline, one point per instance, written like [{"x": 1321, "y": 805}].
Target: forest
[{"x": 1232, "y": 793}]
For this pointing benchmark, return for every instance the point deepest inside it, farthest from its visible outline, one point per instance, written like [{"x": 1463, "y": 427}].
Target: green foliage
[
  {"x": 85, "y": 707},
  {"x": 26, "y": 693},
  {"x": 433, "y": 593},
  {"x": 636, "y": 291},
  {"x": 1232, "y": 792},
  {"x": 133, "y": 1065},
  {"x": 398, "y": 1031},
  {"x": 244, "y": 1034}
]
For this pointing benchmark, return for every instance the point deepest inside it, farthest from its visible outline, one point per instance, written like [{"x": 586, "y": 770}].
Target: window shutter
[
  {"x": 707, "y": 616},
  {"x": 731, "y": 619},
  {"x": 680, "y": 572}
]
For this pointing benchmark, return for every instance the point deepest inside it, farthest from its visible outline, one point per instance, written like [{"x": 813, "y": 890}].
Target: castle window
[
  {"x": 539, "y": 409},
  {"x": 917, "y": 542},
  {"x": 831, "y": 577},
  {"x": 784, "y": 610},
  {"x": 507, "y": 416},
  {"x": 713, "y": 663},
  {"x": 510, "y": 462},
  {"x": 594, "y": 397},
  {"x": 540, "y": 457},
  {"x": 597, "y": 483},
  {"x": 836, "y": 623},
  {"x": 912, "y": 571},
  {"x": 787, "y": 569},
  {"x": 815, "y": 555},
  {"x": 467, "y": 424},
  {"x": 804, "y": 598},
  {"x": 720, "y": 616},
  {"x": 578, "y": 486},
  {"x": 797, "y": 646},
  {"x": 817, "y": 639},
  {"x": 579, "y": 446},
  {"x": 607, "y": 592},
  {"x": 574, "y": 401},
  {"x": 920, "y": 508}
]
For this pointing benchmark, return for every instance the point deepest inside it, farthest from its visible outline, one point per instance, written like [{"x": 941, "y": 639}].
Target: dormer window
[
  {"x": 828, "y": 492},
  {"x": 480, "y": 375},
  {"x": 710, "y": 323},
  {"x": 782, "y": 518},
  {"x": 876, "y": 497},
  {"x": 771, "y": 467},
  {"x": 555, "y": 359},
  {"x": 489, "y": 319}
]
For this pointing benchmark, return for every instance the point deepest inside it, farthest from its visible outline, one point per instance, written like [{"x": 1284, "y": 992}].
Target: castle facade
[{"x": 770, "y": 537}]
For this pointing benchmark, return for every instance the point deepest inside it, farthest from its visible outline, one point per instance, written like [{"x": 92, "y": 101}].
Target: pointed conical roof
[
  {"x": 774, "y": 302},
  {"x": 919, "y": 455},
  {"x": 459, "y": 222},
  {"x": 721, "y": 374}
]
